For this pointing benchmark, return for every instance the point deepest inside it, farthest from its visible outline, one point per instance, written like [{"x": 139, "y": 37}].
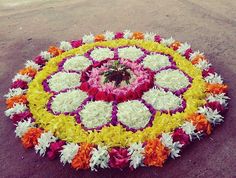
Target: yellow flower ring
[{"x": 115, "y": 100}]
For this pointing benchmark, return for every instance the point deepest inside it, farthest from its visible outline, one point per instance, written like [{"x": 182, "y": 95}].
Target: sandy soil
[{"x": 26, "y": 28}]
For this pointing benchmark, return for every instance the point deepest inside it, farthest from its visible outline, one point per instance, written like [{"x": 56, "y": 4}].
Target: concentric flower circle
[{"x": 115, "y": 100}]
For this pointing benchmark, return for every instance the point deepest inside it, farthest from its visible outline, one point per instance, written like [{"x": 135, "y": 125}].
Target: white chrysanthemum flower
[
  {"x": 203, "y": 64},
  {"x": 168, "y": 41},
  {"x": 156, "y": 61},
  {"x": 190, "y": 130},
  {"x": 99, "y": 54},
  {"x": 14, "y": 92},
  {"x": 212, "y": 116},
  {"x": 95, "y": 114},
  {"x": 44, "y": 142},
  {"x": 174, "y": 147},
  {"x": 221, "y": 98},
  {"x": 68, "y": 152},
  {"x": 214, "y": 78},
  {"x": 45, "y": 54},
  {"x": 162, "y": 100},
  {"x": 133, "y": 114},
  {"x": 88, "y": 38},
  {"x": 16, "y": 109},
  {"x": 194, "y": 54},
  {"x": 183, "y": 48},
  {"x": 63, "y": 80},
  {"x": 32, "y": 64},
  {"x": 25, "y": 78},
  {"x": 68, "y": 101},
  {"x": 65, "y": 46},
  {"x": 127, "y": 34},
  {"x": 171, "y": 79},
  {"x": 100, "y": 158},
  {"x": 149, "y": 36},
  {"x": 136, "y": 153},
  {"x": 131, "y": 52},
  {"x": 109, "y": 35},
  {"x": 22, "y": 127},
  {"x": 77, "y": 63}
]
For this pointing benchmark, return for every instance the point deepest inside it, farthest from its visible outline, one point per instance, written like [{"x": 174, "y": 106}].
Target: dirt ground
[{"x": 27, "y": 27}]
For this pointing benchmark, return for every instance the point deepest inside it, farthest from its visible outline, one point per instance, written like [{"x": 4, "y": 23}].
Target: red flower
[
  {"x": 119, "y": 35},
  {"x": 21, "y": 116},
  {"x": 121, "y": 98},
  {"x": 181, "y": 136},
  {"x": 157, "y": 38},
  {"x": 101, "y": 96},
  {"x": 110, "y": 97},
  {"x": 215, "y": 105},
  {"x": 84, "y": 86},
  {"x": 119, "y": 158},
  {"x": 76, "y": 43},
  {"x": 39, "y": 60},
  {"x": 208, "y": 71},
  {"x": 54, "y": 149},
  {"x": 93, "y": 91},
  {"x": 187, "y": 53},
  {"x": 19, "y": 84}
]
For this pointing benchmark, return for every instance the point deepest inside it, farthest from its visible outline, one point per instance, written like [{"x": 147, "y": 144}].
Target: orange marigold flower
[
  {"x": 198, "y": 58},
  {"x": 216, "y": 88},
  {"x": 155, "y": 153},
  {"x": 138, "y": 35},
  {"x": 30, "y": 138},
  {"x": 55, "y": 51},
  {"x": 175, "y": 45},
  {"x": 16, "y": 99},
  {"x": 28, "y": 71},
  {"x": 82, "y": 158},
  {"x": 99, "y": 37},
  {"x": 201, "y": 123}
]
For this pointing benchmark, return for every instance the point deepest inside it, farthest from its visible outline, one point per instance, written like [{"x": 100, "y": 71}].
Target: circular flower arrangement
[{"x": 117, "y": 100}]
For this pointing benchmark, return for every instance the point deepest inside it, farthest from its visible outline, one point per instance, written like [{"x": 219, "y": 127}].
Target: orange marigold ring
[{"x": 76, "y": 101}]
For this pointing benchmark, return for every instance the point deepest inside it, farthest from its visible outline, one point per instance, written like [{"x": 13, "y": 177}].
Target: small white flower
[
  {"x": 64, "y": 45},
  {"x": 183, "y": 48},
  {"x": 109, "y": 35},
  {"x": 156, "y": 61},
  {"x": 22, "y": 127},
  {"x": 194, "y": 54},
  {"x": 14, "y": 92},
  {"x": 127, "y": 34},
  {"x": 45, "y": 55},
  {"x": 16, "y": 109},
  {"x": 221, "y": 98},
  {"x": 100, "y": 158},
  {"x": 214, "y": 78},
  {"x": 136, "y": 153},
  {"x": 68, "y": 152},
  {"x": 190, "y": 130},
  {"x": 63, "y": 80},
  {"x": 44, "y": 142},
  {"x": 99, "y": 54},
  {"x": 68, "y": 101},
  {"x": 171, "y": 79},
  {"x": 133, "y": 114},
  {"x": 167, "y": 42},
  {"x": 174, "y": 147},
  {"x": 131, "y": 52},
  {"x": 32, "y": 64},
  {"x": 95, "y": 114},
  {"x": 76, "y": 63},
  {"x": 25, "y": 78},
  {"x": 203, "y": 64},
  {"x": 149, "y": 36},
  {"x": 88, "y": 38},
  {"x": 212, "y": 116}
]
